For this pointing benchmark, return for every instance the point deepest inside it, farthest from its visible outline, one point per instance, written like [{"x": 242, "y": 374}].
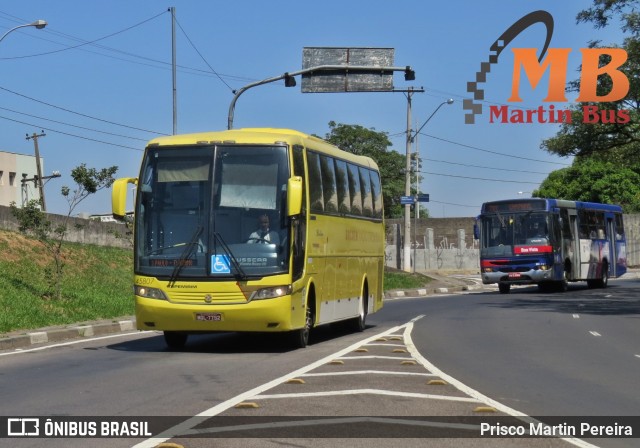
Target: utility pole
[
  {"x": 35, "y": 137},
  {"x": 406, "y": 250}
]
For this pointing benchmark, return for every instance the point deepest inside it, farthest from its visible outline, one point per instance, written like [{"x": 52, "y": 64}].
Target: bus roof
[
  {"x": 528, "y": 204},
  {"x": 263, "y": 136}
]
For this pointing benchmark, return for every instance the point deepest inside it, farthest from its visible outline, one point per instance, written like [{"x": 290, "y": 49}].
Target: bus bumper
[
  {"x": 532, "y": 276},
  {"x": 269, "y": 315}
]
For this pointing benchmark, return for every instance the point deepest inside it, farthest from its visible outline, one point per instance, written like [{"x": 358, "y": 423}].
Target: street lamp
[
  {"x": 407, "y": 208},
  {"x": 39, "y": 24}
]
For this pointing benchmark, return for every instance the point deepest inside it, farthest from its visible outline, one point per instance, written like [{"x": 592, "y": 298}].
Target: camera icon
[{"x": 27, "y": 427}]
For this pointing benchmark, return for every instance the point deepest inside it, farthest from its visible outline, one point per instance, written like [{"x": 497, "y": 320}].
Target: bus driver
[{"x": 263, "y": 234}]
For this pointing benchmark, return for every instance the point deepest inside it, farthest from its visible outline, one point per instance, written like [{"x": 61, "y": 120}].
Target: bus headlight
[
  {"x": 149, "y": 293},
  {"x": 270, "y": 293}
]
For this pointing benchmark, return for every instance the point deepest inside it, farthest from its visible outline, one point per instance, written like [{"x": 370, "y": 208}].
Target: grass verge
[
  {"x": 396, "y": 279},
  {"x": 96, "y": 284}
]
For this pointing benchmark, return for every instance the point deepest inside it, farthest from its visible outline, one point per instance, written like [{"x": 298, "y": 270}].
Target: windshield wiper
[
  {"x": 185, "y": 255},
  {"x": 234, "y": 261}
]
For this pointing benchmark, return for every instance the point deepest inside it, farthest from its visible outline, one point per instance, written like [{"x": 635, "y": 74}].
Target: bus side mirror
[
  {"x": 476, "y": 232},
  {"x": 294, "y": 196},
  {"x": 119, "y": 196}
]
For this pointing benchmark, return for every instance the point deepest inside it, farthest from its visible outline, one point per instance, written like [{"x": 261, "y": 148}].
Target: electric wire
[
  {"x": 69, "y": 134},
  {"x": 85, "y": 42},
  {"x": 73, "y": 125},
  {"x": 79, "y": 113},
  {"x": 202, "y": 57}
]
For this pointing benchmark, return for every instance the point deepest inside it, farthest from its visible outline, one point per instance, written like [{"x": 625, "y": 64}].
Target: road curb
[{"x": 58, "y": 334}]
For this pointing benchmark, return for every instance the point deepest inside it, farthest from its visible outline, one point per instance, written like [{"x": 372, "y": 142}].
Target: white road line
[
  {"x": 595, "y": 333},
  {"x": 399, "y": 358},
  {"x": 576, "y": 316},
  {"x": 77, "y": 341},
  {"x": 330, "y": 421},
  {"x": 369, "y": 372},
  {"x": 393, "y": 393},
  {"x": 385, "y": 345},
  {"x": 474, "y": 393},
  {"x": 219, "y": 408}
]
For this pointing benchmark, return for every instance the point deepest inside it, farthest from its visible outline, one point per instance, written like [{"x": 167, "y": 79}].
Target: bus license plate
[
  {"x": 514, "y": 275},
  {"x": 209, "y": 317}
]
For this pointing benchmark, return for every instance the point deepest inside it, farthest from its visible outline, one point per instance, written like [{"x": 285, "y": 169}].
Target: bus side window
[
  {"x": 365, "y": 186},
  {"x": 342, "y": 184},
  {"x": 315, "y": 182},
  {"x": 354, "y": 190},
  {"x": 376, "y": 192},
  {"x": 329, "y": 190}
]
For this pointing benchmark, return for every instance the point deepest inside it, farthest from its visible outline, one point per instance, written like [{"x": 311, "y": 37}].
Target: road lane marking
[
  {"x": 369, "y": 372},
  {"x": 392, "y": 393},
  {"x": 595, "y": 333},
  {"x": 400, "y": 358},
  {"x": 474, "y": 393},
  {"x": 188, "y": 424},
  {"x": 329, "y": 421},
  {"x": 78, "y": 341}
]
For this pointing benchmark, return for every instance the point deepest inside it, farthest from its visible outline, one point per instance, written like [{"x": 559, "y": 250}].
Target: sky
[{"x": 98, "y": 81}]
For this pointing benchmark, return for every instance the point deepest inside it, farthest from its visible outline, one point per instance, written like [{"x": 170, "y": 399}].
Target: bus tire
[
  {"x": 175, "y": 340},
  {"x": 360, "y": 323},
  {"x": 603, "y": 281},
  {"x": 504, "y": 288},
  {"x": 300, "y": 337}
]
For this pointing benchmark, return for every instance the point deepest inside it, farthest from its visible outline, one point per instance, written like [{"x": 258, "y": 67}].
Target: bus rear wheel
[
  {"x": 175, "y": 340},
  {"x": 360, "y": 323},
  {"x": 601, "y": 282}
]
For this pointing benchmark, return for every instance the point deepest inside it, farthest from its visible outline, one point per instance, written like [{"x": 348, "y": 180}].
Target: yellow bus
[{"x": 254, "y": 230}]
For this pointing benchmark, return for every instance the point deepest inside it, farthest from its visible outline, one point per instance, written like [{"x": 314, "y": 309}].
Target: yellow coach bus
[{"x": 254, "y": 230}]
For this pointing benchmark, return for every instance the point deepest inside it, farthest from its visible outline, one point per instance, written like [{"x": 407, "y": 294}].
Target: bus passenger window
[
  {"x": 315, "y": 183},
  {"x": 354, "y": 190},
  {"x": 365, "y": 185},
  {"x": 342, "y": 185},
  {"x": 329, "y": 190},
  {"x": 376, "y": 192}
]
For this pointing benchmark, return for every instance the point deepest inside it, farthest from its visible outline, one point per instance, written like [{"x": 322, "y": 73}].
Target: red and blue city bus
[{"x": 550, "y": 242}]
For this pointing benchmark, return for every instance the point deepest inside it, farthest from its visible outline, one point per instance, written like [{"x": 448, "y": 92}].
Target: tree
[
  {"x": 603, "y": 136},
  {"x": 371, "y": 143},
  {"x": 593, "y": 180},
  {"x": 33, "y": 221}
]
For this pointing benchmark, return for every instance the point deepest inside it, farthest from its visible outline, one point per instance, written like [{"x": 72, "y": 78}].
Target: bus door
[
  {"x": 570, "y": 241},
  {"x": 611, "y": 238}
]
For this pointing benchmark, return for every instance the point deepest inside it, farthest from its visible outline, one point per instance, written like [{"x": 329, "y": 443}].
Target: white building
[{"x": 17, "y": 178}]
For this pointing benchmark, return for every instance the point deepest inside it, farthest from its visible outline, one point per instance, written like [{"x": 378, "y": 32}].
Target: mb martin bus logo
[{"x": 596, "y": 62}]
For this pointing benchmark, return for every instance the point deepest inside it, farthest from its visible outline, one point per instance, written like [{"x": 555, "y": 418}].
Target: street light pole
[
  {"x": 407, "y": 208},
  {"x": 39, "y": 24}
]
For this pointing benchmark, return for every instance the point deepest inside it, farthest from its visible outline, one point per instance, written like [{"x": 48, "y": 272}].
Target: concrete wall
[{"x": 79, "y": 230}]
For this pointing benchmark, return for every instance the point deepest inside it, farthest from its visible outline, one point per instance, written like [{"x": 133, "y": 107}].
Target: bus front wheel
[
  {"x": 504, "y": 288},
  {"x": 300, "y": 337}
]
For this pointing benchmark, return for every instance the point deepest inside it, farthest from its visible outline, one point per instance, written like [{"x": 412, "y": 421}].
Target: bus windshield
[
  {"x": 212, "y": 211},
  {"x": 503, "y": 232}
]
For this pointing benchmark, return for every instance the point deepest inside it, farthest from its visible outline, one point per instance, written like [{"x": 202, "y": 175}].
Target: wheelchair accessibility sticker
[{"x": 220, "y": 264}]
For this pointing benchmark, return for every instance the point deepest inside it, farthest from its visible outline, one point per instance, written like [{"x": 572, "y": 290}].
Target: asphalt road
[{"x": 433, "y": 364}]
